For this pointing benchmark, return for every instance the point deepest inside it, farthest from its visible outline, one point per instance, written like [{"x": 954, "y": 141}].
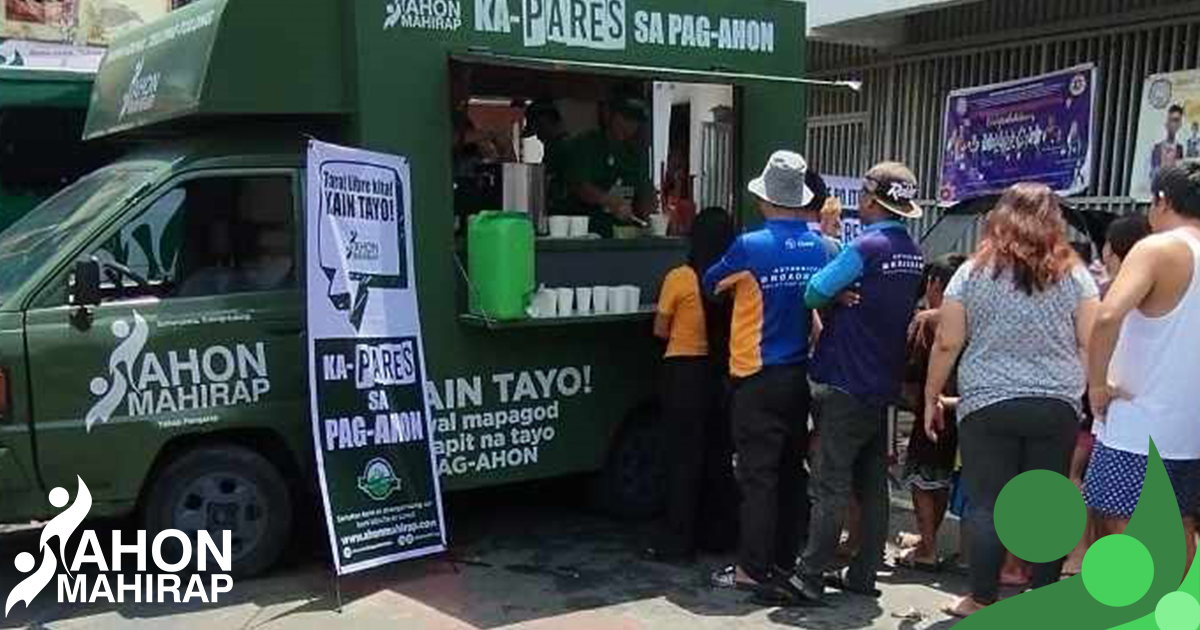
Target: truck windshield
[{"x": 31, "y": 242}]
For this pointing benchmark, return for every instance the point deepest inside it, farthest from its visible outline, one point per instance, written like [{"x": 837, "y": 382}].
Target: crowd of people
[{"x": 1017, "y": 357}]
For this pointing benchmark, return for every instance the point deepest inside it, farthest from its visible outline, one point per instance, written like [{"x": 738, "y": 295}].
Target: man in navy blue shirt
[
  {"x": 859, "y": 366},
  {"x": 767, "y": 272}
]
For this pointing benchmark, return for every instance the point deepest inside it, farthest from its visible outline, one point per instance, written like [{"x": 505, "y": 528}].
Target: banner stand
[{"x": 371, "y": 427}]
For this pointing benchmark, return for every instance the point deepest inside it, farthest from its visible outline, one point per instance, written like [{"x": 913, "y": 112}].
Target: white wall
[{"x": 702, "y": 98}]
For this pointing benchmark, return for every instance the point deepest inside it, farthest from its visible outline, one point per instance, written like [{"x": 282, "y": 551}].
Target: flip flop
[
  {"x": 916, "y": 565},
  {"x": 726, "y": 578},
  {"x": 954, "y": 611}
]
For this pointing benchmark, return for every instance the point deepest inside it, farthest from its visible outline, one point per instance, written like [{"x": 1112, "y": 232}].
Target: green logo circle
[
  {"x": 1040, "y": 516},
  {"x": 1177, "y": 611},
  {"x": 1118, "y": 570}
]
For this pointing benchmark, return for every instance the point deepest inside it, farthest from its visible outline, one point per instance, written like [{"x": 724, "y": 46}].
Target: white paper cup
[
  {"x": 566, "y": 302},
  {"x": 600, "y": 300},
  {"x": 579, "y": 227},
  {"x": 560, "y": 226},
  {"x": 545, "y": 303},
  {"x": 659, "y": 224},
  {"x": 618, "y": 300},
  {"x": 633, "y": 296},
  {"x": 583, "y": 300}
]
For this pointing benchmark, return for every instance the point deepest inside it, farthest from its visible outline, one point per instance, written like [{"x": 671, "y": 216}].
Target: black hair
[
  {"x": 712, "y": 234},
  {"x": 819, "y": 190},
  {"x": 1125, "y": 232},
  {"x": 942, "y": 269},
  {"x": 1180, "y": 185},
  {"x": 1175, "y": 109}
]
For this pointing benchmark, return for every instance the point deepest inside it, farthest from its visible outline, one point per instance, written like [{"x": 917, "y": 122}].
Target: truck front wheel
[
  {"x": 632, "y": 484},
  {"x": 224, "y": 488}
]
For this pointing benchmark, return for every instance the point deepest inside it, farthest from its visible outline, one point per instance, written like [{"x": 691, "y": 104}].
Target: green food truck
[
  {"x": 42, "y": 113},
  {"x": 151, "y": 322}
]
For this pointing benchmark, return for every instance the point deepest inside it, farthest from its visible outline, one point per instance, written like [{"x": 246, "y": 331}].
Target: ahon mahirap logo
[
  {"x": 120, "y": 369},
  {"x": 140, "y": 383},
  {"x": 106, "y": 582}
]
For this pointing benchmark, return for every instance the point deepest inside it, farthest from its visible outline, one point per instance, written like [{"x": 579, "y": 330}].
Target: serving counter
[{"x": 640, "y": 262}]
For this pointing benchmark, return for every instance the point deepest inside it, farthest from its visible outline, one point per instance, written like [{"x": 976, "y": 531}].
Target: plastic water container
[{"x": 500, "y": 261}]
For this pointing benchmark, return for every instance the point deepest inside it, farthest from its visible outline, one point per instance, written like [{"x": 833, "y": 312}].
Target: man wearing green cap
[{"x": 607, "y": 171}]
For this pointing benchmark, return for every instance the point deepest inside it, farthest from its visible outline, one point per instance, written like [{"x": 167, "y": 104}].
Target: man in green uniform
[{"x": 608, "y": 170}]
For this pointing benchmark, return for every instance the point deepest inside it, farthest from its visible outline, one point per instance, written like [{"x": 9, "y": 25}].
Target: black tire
[
  {"x": 632, "y": 485},
  {"x": 209, "y": 487}
]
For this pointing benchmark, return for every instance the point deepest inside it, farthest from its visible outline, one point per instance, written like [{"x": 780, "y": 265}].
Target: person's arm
[
  {"x": 1134, "y": 282},
  {"x": 1085, "y": 323},
  {"x": 668, "y": 298},
  {"x": 817, "y": 328},
  {"x": 947, "y": 346},
  {"x": 836, "y": 277},
  {"x": 726, "y": 273}
]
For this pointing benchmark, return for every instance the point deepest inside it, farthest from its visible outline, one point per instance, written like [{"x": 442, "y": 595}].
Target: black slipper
[
  {"x": 784, "y": 591},
  {"x": 838, "y": 582}
]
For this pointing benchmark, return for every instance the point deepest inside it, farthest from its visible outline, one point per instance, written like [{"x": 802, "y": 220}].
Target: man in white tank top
[{"x": 1145, "y": 362}]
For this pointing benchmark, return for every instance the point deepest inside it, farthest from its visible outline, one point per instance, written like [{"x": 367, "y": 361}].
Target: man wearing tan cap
[{"x": 859, "y": 366}]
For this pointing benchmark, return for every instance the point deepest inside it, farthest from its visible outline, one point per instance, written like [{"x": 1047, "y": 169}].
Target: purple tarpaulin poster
[{"x": 1030, "y": 130}]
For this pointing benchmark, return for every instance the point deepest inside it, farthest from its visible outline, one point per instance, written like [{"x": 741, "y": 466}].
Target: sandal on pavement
[
  {"x": 727, "y": 578},
  {"x": 963, "y": 608}
]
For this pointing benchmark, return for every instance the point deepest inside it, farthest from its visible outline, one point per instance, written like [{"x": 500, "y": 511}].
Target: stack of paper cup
[
  {"x": 566, "y": 302},
  {"x": 633, "y": 298},
  {"x": 583, "y": 300},
  {"x": 618, "y": 300},
  {"x": 579, "y": 227},
  {"x": 560, "y": 226},
  {"x": 600, "y": 300}
]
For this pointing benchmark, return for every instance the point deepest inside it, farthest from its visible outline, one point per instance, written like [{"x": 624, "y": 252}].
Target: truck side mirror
[{"x": 85, "y": 284}]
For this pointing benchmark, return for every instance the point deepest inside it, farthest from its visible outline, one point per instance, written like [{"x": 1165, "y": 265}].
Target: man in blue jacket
[
  {"x": 767, "y": 272},
  {"x": 859, "y": 366}
]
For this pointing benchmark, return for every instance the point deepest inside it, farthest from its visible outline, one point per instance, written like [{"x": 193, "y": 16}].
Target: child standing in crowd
[
  {"x": 767, "y": 272},
  {"x": 1023, "y": 308},
  {"x": 1143, "y": 366},
  {"x": 859, "y": 366},
  {"x": 1121, "y": 236},
  {"x": 696, "y": 331},
  {"x": 929, "y": 464}
]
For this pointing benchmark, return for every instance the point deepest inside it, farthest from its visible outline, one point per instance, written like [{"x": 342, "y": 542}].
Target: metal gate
[{"x": 715, "y": 185}]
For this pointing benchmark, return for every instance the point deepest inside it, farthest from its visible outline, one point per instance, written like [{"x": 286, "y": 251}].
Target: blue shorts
[{"x": 1114, "y": 479}]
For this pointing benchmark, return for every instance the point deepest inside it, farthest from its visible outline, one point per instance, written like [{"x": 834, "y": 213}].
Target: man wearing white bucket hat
[
  {"x": 767, "y": 271},
  {"x": 859, "y": 366}
]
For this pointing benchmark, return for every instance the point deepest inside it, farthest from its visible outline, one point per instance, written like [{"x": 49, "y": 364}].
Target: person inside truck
[
  {"x": 266, "y": 262},
  {"x": 607, "y": 172},
  {"x": 543, "y": 121}
]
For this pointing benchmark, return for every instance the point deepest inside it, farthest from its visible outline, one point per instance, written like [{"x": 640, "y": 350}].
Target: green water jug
[{"x": 500, "y": 263}]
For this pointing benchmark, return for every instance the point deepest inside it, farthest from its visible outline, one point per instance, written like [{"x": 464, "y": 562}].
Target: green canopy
[
  {"x": 65, "y": 89},
  {"x": 222, "y": 58}
]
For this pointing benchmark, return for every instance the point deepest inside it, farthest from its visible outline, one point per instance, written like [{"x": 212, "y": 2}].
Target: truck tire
[
  {"x": 632, "y": 485},
  {"x": 224, "y": 487}
]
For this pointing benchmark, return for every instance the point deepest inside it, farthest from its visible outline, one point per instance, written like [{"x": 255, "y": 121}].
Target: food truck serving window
[{"x": 609, "y": 165}]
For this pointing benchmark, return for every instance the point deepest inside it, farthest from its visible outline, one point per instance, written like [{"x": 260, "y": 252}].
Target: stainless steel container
[{"x": 525, "y": 191}]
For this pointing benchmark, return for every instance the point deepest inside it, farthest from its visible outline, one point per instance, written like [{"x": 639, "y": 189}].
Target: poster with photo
[{"x": 1168, "y": 128}]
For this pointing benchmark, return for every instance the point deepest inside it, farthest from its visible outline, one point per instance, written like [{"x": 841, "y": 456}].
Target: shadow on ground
[{"x": 529, "y": 554}]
